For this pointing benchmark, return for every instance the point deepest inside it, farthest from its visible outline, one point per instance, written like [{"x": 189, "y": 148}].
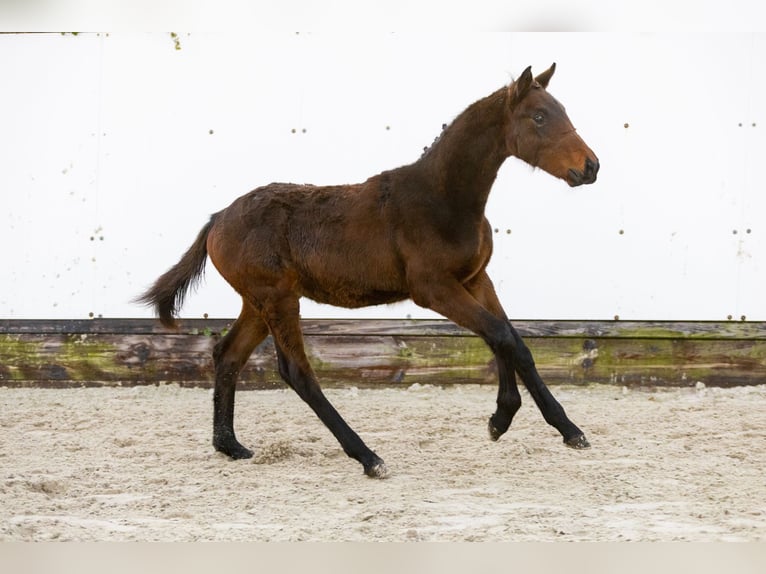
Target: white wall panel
[{"x": 116, "y": 148}]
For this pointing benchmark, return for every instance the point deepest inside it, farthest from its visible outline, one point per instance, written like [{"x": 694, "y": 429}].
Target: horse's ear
[
  {"x": 545, "y": 77},
  {"x": 520, "y": 87}
]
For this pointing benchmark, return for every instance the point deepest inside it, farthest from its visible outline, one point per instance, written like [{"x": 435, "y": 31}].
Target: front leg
[
  {"x": 508, "y": 397},
  {"x": 552, "y": 411},
  {"x": 508, "y": 403},
  {"x": 476, "y": 307},
  {"x": 520, "y": 359}
]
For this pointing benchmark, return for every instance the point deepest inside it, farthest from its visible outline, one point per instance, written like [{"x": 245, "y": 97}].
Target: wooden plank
[
  {"x": 413, "y": 327},
  {"x": 385, "y": 352}
]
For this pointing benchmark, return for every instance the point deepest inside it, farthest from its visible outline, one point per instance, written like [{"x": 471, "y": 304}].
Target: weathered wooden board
[{"x": 384, "y": 352}]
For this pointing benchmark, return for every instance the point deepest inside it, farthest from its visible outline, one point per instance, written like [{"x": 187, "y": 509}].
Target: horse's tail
[{"x": 167, "y": 294}]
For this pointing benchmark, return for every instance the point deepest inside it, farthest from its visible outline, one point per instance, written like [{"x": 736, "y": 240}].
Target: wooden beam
[{"x": 64, "y": 353}]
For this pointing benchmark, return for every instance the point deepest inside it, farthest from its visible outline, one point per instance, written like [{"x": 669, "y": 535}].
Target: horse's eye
[{"x": 539, "y": 118}]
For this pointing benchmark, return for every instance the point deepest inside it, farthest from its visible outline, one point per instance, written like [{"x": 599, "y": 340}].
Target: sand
[{"x": 136, "y": 464}]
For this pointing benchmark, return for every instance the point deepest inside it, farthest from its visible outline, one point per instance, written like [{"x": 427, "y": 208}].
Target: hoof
[
  {"x": 377, "y": 470},
  {"x": 494, "y": 434},
  {"x": 578, "y": 442},
  {"x": 233, "y": 450}
]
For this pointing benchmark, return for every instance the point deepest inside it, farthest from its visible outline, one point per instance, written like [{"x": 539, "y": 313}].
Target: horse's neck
[{"x": 463, "y": 163}]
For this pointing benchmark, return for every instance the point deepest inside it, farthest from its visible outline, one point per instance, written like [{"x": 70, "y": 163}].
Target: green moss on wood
[
  {"x": 68, "y": 357},
  {"x": 437, "y": 358}
]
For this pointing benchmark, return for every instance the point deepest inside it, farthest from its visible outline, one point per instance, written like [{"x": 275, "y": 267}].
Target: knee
[
  {"x": 503, "y": 343},
  {"x": 508, "y": 344}
]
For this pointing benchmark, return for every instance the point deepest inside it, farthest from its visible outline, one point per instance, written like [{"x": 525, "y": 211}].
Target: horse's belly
[{"x": 347, "y": 294}]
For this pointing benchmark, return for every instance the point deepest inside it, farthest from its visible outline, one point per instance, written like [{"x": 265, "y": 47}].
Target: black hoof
[
  {"x": 233, "y": 449},
  {"x": 377, "y": 469},
  {"x": 494, "y": 433},
  {"x": 498, "y": 425},
  {"x": 579, "y": 442}
]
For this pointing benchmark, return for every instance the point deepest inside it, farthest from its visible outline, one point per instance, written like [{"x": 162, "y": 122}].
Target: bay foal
[{"x": 417, "y": 231}]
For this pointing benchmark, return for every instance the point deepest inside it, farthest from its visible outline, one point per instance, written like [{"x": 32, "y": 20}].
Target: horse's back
[{"x": 333, "y": 241}]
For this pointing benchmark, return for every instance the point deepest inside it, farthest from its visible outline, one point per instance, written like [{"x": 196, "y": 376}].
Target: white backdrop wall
[{"x": 115, "y": 148}]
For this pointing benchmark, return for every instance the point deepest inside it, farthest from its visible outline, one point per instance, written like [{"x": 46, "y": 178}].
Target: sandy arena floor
[{"x": 136, "y": 464}]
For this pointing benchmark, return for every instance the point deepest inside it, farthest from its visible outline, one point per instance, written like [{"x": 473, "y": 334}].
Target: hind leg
[
  {"x": 229, "y": 356},
  {"x": 294, "y": 367}
]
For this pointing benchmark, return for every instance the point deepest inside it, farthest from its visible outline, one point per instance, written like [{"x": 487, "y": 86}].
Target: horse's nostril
[{"x": 591, "y": 169}]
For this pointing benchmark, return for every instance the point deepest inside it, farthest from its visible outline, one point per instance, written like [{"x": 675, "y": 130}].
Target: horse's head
[{"x": 541, "y": 134}]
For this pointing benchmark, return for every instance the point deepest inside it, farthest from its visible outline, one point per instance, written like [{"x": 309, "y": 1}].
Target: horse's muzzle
[{"x": 587, "y": 175}]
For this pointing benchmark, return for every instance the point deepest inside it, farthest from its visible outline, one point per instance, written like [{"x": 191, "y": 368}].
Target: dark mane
[
  {"x": 428, "y": 148},
  {"x": 468, "y": 117}
]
